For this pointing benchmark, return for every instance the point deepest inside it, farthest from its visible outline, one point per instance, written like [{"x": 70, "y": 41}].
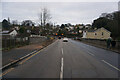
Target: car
[
  {"x": 75, "y": 38},
  {"x": 65, "y": 40},
  {"x": 59, "y": 37}
]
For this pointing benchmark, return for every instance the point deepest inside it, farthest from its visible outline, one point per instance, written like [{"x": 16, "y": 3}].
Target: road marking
[
  {"x": 62, "y": 51},
  {"x": 111, "y": 65},
  {"x": 17, "y": 60},
  {"x": 35, "y": 52},
  {"x": 29, "y": 57},
  {"x": 6, "y": 72},
  {"x": 28, "y": 54},
  {"x": 91, "y": 54},
  {"x": 61, "y": 72}
]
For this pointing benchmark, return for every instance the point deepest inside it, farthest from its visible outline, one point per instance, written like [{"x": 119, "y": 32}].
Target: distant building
[
  {"x": 100, "y": 33},
  {"x": 71, "y": 27},
  {"x": 81, "y": 27},
  {"x": 35, "y": 31},
  {"x": 8, "y": 34},
  {"x": 16, "y": 27}
]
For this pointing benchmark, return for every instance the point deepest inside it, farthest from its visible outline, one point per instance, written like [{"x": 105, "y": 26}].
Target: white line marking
[
  {"x": 61, "y": 72},
  {"x": 91, "y": 54},
  {"x": 28, "y": 54},
  {"x": 62, "y": 51},
  {"x": 17, "y": 60},
  {"x": 111, "y": 65}
]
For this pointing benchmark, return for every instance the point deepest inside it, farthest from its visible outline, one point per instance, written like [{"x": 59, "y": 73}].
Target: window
[
  {"x": 95, "y": 33},
  {"x": 102, "y": 33}
]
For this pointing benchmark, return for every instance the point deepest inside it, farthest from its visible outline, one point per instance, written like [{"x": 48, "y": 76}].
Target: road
[
  {"x": 71, "y": 59},
  {"x": 16, "y": 53}
]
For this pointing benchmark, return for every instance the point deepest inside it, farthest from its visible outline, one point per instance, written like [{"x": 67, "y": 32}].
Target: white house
[
  {"x": 11, "y": 33},
  {"x": 84, "y": 34}
]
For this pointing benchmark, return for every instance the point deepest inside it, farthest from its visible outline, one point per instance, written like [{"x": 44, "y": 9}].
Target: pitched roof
[
  {"x": 6, "y": 31},
  {"x": 104, "y": 29},
  {"x": 92, "y": 30}
]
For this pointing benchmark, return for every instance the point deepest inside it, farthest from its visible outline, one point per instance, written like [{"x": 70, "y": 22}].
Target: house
[
  {"x": 8, "y": 33},
  {"x": 35, "y": 31},
  {"x": 100, "y": 33},
  {"x": 16, "y": 27},
  {"x": 71, "y": 27}
]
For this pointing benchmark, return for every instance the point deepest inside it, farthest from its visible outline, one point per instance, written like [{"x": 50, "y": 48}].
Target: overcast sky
[{"x": 61, "y": 12}]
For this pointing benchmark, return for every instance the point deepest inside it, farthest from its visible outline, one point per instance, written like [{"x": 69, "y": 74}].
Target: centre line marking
[
  {"x": 111, "y": 65},
  {"x": 91, "y": 54},
  {"x": 61, "y": 72}
]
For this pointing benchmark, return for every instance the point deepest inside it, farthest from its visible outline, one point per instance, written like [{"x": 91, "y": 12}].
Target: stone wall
[{"x": 102, "y": 44}]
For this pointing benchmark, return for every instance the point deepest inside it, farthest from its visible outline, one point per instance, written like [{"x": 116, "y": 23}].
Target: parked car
[{"x": 65, "y": 39}]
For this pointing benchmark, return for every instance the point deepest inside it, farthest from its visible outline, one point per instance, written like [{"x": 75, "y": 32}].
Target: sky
[
  {"x": 59, "y": 0},
  {"x": 61, "y": 12}
]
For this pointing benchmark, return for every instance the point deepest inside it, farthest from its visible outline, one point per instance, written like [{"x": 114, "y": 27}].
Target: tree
[
  {"x": 111, "y": 24},
  {"x": 8, "y": 20},
  {"x": 69, "y": 24},
  {"x": 5, "y": 24},
  {"x": 14, "y": 22},
  {"x": 22, "y": 30},
  {"x": 66, "y": 25},
  {"x": 100, "y": 22},
  {"x": 27, "y": 23},
  {"x": 112, "y": 27},
  {"x": 62, "y": 26},
  {"x": 44, "y": 16}
]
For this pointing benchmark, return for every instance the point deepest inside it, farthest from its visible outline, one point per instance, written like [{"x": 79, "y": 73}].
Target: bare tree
[
  {"x": 41, "y": 18},
  {"x": 44, "y": 16},
  {"x": 14, "y": 22},
  {"x": 28, "y": 23}
]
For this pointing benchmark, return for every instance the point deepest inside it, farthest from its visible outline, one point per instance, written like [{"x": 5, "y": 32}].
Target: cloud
[
  {"x": 59, "y": 0},
  {"x": 61, "y": 12}
]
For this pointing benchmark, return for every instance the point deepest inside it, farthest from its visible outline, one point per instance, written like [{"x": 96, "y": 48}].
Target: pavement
[
  {"x": 71, "y": 59},
  {"x": 116, "y": 49},
  {"x": 16, "y": 53}
]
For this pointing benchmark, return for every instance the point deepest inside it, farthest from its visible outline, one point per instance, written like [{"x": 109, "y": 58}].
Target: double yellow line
[
  {"x": 9, "y": 70},
  {"x": 2, "y": 74},
  {"x": 29, "y": 57}
]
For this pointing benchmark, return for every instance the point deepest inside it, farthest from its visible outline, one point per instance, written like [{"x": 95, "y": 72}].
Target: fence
[
  {"x": 37, "y": 39},
  {"x": 14, "y": 42},
  {"x": 8, "y": 43}
]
